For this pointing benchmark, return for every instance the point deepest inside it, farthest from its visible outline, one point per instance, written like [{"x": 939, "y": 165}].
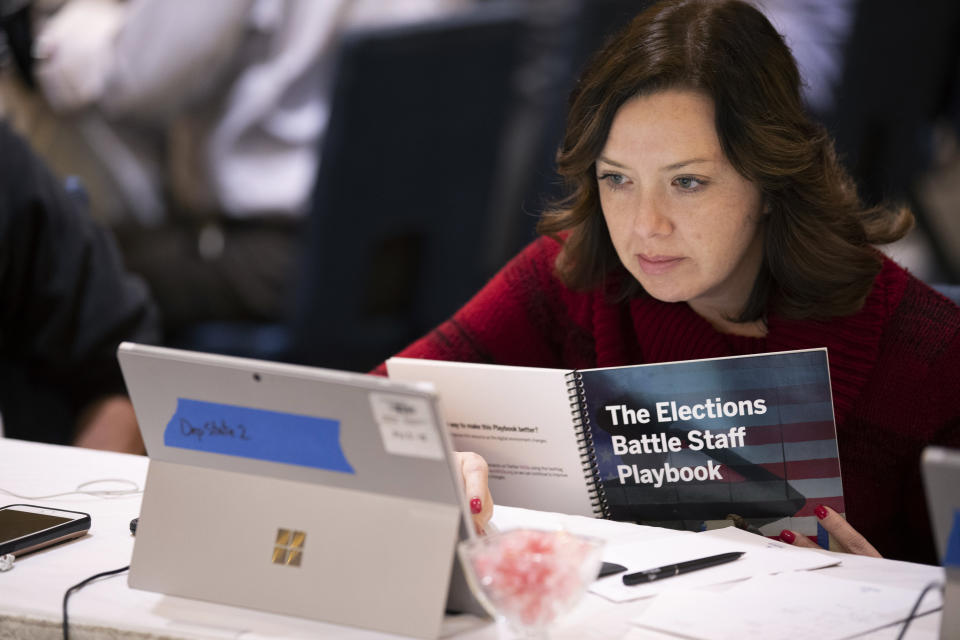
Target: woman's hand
[
  {"x": 473, "y": 471},
  {"x": 847, "y": 537}
]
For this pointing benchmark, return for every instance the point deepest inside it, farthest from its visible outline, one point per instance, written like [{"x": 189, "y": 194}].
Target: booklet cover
[{"x": 681, "y": 444}]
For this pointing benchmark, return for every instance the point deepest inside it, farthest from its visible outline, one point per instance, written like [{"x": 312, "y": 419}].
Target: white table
[{"x": 31, "y": 593}]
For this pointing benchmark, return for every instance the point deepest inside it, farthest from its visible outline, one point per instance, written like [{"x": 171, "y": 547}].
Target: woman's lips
[{"x": 657, "y": 265}]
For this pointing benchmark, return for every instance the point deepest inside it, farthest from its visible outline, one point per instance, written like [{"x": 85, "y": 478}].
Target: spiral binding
[{"x": 588, "y": 455}]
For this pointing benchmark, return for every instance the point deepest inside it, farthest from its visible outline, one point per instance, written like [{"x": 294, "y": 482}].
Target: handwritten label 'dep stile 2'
[
  {"x": 406, "y": 425},
  {"x": 258, "y": 434}
]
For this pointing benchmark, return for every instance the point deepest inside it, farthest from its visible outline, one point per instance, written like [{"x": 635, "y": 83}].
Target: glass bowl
[{"x": 526, "y": 578}]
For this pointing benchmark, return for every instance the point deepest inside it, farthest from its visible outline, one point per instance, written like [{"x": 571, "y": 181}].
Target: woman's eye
[
  {"x": 614, "y": 180},
  {"x": 688, "y": 183}
]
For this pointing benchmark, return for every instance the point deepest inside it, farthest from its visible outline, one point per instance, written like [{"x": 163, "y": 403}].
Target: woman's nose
[{"x": 650, "y": 217}]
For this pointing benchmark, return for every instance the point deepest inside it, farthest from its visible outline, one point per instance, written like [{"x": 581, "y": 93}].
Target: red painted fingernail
[
  {"x": 787, "y": 536},
  {"x": 821, "y": 511},
  {"x": 475, "y": 505}
]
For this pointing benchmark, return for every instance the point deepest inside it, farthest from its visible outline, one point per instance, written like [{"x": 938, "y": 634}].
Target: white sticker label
[{"x": 406, "y": 425}]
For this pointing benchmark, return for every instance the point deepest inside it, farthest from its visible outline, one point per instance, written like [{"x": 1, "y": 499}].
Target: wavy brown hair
[{"x": 818, "y": 259}]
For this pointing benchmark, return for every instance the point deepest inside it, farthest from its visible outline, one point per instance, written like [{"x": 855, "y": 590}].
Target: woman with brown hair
[{"x": 708, "y": 217}]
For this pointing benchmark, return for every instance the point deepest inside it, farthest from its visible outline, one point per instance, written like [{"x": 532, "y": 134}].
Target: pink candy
[{"x": 532, "y": 576}]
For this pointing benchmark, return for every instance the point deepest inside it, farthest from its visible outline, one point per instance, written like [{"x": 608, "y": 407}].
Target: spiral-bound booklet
[{"x": 680, "y": 444}]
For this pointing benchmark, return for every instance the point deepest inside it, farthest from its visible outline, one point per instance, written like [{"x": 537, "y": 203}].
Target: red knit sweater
[{"x": 894, "y": 368}]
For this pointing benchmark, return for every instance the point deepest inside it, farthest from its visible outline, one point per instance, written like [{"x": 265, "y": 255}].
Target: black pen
[{"x": 670, "y": 570}]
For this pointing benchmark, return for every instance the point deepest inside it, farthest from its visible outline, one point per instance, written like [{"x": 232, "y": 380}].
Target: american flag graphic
[{"x": 771, "y": 468}]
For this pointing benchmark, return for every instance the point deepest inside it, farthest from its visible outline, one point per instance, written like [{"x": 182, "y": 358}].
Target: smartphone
[{"x": 25, "y": 528}]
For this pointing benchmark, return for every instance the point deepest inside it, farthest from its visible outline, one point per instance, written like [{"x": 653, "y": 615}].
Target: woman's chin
[{"x": 666, "y": 294}]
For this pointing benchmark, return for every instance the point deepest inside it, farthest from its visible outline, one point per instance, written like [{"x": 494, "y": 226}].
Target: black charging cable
[
  {"x": 81, "y": 585},
  {"x": 916, "y": 607}
]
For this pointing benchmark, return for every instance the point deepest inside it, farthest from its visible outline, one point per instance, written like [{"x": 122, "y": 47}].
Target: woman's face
[{"x": 684, "y": 222}]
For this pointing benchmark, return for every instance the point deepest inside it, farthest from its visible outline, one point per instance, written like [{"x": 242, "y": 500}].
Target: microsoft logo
[{"x": 288, "y": 548}]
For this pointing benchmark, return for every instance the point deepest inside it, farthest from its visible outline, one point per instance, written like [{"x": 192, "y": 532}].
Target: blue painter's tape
[
  {"x": 823, "y": 537},
  {"x": 951, "y": 557},
  {"x": 257, "y": 433}
]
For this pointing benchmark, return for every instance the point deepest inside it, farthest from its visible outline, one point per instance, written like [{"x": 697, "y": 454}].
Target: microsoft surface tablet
[
  {"x": 296, "y": 490},
  {"x": 941, "y": 480}
]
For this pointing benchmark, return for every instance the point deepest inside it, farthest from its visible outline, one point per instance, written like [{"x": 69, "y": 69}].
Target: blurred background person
[
  {"x": 885, "y": 80},
  {"x": 67, "y": 304},
  {"x": 207, "y": 119}
]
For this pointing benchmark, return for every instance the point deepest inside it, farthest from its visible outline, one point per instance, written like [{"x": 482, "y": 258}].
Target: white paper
[
  {"x": 506, "y": 518},
  {"x": 406, "y": 426},
  {"x": 758, "y": 559},
  {"x": 519, "y": 419},
  {"x": 741, "y": 537},
  {"x": 800, "y": 604}
]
